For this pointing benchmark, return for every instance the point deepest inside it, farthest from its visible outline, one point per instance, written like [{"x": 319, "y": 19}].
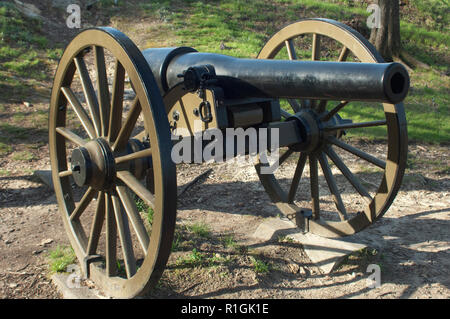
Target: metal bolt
[
  {"x": 196, "y": 112},
  {"x": 176, "y": 115}
]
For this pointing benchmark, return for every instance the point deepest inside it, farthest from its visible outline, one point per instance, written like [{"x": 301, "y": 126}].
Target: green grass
[
  {"x": 435, "y": 13},
  {"x": 193, "y": 259},
  {"x": 9, "y": 132},
  {"x": 177, "y": 241},
  {"x": 199, "y": 229},
  {"x": 150, "y": 213},
  {"x": 4, "y": 172},
  {"x": 14, "y": 131},
  {"x": 359, "y": 260},
  {"x": 285, "y": 239},
  {"x": 142, "y": 207},
  {"x": 60, "y": 258},
  {"x": 260, "y": 266},
  {"x": 21, "y": 42},
  {"x": 5, "y": 148},
  {"x": 229, "y": 242},
  {"x": 54, "y": 54},
  {"x": 244, "y": 26},
  {"x": 25, "y": 156},
  {"x": 197, "y": 259},
  {"x": 414, "y": 162}
]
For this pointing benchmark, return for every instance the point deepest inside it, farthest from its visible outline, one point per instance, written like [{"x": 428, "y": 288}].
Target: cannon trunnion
[{"x": 117, "y": 114}]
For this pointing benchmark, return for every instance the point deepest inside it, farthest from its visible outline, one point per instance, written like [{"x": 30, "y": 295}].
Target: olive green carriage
[{"x": 109, "y": 157}]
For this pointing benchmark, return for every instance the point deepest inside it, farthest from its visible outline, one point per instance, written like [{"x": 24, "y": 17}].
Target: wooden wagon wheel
[
  {"x": 342, "y": 220},
  {"x": 107, "y": 150}
]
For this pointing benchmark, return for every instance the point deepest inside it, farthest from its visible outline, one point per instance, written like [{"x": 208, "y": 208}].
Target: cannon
[{"x": 108, "y": 157}]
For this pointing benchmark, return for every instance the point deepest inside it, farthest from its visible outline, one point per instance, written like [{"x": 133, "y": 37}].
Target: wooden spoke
[
  {"x": 322, "y": 106},
  {"x": 134, "y": 156},
  {"x": 333, "y": 187},
  {"x": 97, "y": 225},
  {"x": 136, "y": 186},
  {"x": 348, "y": 174},
  {"x": 315, "y": 47},
  {"x": 111, "y": 238},
  {"x": 128, "y": 126},
  {"x": 285, "y": 114},
  {"x": 314, "y": 183},
  {"x": 281, "y": 159},
  {"x": 102, "y": 89},
  {"x": 80, "y": 112},
  {"x": 142, "y": 135},
  {"x": 285, "y": 156},
  {"x": 295, "y": 105},
  {"x": 84, "y": 202},
  {"x": 347, "y": 126},
  {"x": 65, "y": 173},
  {"x": 115, "y": 119},
  {"x": 78, "y": 227},
  {"x": 124, "y": 236},
  {"x": 290, "y": 49},
  {"x": 133, "y": 215},
  {"x": 357, "y": 152},
  {"x": 297, "y": 175},
  {"x": 344, "y": 54},
  {"x": 334, "y": 111},
  {"x": 71, "y": 136},
  {"x": 89, "y": 93}
]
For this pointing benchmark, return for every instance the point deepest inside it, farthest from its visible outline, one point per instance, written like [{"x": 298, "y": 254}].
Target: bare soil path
[{"x": 410, "y": 243}]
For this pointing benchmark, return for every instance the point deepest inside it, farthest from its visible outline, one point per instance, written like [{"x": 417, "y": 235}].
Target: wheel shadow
[
  {"x": 409, "y": 264},
  {"x": 412, "y": 250},
  {"x": 246, "y": 197}
]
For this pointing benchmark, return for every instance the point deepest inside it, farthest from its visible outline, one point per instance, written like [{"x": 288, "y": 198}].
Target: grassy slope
[
  {"x": 244, "y": 26},
  {"x": 24, "y": 56},
  {"x": 24, "y": 68}
]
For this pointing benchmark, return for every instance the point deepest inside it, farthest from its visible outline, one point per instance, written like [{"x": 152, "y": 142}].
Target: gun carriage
[{"x": 115, "y": 156}]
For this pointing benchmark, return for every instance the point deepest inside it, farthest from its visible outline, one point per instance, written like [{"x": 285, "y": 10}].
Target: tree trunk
[{"x": 387, "y": 38}]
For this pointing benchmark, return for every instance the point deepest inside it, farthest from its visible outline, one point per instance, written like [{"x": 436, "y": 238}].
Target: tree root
[{"x": 410, "y": 62}]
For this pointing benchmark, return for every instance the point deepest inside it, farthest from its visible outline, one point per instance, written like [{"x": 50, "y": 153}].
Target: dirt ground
[{"x": 411, "y": 243}]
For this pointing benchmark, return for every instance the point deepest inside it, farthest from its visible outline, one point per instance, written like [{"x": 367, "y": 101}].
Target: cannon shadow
[
  {"x": 409, "y": 265},
  {"x": 412, "y": 250}
]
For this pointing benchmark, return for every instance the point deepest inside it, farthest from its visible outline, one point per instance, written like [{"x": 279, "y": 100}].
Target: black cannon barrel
[{"x": 350, "y": 81}]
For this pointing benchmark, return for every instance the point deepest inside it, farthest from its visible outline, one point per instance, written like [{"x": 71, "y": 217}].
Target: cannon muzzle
[{"x": 349, "y": 81}]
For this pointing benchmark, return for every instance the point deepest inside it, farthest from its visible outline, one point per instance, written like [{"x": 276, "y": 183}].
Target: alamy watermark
[
  {"x": 74, "y": 19},
  {"x": 231, "y": 144},
  {"x": 374, "y": 279},
  {"x": 374, "y": 20},
  {"x": 74, "y": 279}
]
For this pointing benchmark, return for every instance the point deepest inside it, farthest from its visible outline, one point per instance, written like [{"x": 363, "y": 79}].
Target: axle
[{"x": 243, "y": 78}]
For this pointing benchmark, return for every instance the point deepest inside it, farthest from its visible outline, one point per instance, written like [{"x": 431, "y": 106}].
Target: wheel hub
[
  {"x": 311, "y": 128},
  {"x": 93, "y": 165}
]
